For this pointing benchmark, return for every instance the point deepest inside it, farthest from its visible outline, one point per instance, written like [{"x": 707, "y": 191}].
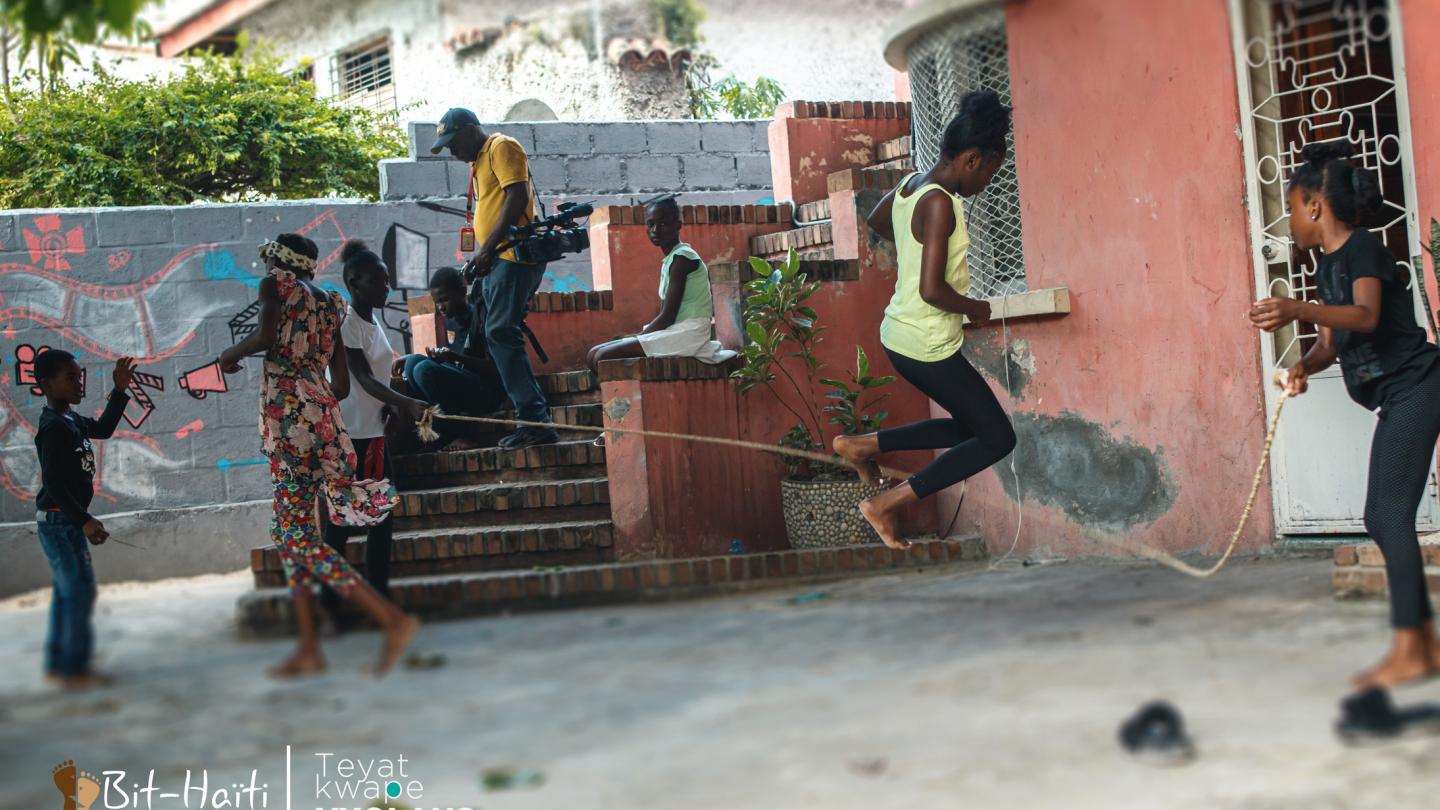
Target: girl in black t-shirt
[{"x": 1367, "y": 322}]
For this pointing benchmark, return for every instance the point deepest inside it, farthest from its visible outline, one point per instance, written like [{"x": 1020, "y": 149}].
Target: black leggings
[
  {"x": 1400, "y": 459},
  {"x": 978, "y": 433}
]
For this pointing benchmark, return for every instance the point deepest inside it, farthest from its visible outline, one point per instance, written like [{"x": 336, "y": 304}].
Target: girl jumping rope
[{"x": 922, "y": 331}]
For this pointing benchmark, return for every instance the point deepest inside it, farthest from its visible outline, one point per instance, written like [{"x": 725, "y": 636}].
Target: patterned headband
[{"x": 286, "y": 256}]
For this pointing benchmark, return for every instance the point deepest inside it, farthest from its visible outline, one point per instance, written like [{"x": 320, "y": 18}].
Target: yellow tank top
[{"x": 912, "y": 327}]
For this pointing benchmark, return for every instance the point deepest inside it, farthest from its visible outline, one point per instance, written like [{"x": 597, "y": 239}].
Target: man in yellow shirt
[{"x": 501, "y": 197}]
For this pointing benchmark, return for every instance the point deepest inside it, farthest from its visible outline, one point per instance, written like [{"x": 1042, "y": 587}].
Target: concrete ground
[{"x": 947, "y": 689}]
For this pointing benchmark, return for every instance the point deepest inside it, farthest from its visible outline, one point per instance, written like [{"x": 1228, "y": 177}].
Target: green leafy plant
[
  {"x": 735, "y": 98},
  {"x": 779, "y": 324},
  {"x": 226, "y": 128},
  {"x": 847, "y": 411}
]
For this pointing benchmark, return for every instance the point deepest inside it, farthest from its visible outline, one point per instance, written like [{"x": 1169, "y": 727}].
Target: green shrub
[{"x": 226, "y": 128}]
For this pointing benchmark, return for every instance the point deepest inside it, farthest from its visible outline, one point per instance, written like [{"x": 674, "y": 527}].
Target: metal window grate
[
  {"x": 363, "y": 76},
  {"x": 966, "y": 53}
]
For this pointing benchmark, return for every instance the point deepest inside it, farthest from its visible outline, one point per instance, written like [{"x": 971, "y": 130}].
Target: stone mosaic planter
[{"x": 826, "y": 513}]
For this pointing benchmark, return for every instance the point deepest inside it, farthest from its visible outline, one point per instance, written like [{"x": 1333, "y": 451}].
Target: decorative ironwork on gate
[{"x": 1320, "y": 71}]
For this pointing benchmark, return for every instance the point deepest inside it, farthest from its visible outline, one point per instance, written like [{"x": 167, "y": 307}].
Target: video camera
[{"x": 545, "y": 240}]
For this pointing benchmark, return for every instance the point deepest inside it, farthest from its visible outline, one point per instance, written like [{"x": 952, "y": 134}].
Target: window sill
[{"x": 1030, "y": 304}]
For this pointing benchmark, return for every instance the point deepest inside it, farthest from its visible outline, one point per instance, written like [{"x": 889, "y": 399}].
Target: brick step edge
[
  {"x": 1360, "y": 581},
  {"x": 1369, "y": 554},
  {"x": 271, "y": 611},
  {"x": 503, "y": 497},
  {"x": 813, "y": 212},
  {"x": 495, "y": 459},
  {"x": 806, "y": 236},
  {"x": 447, "y": 544},
  {"x": 894, "y": 149}
]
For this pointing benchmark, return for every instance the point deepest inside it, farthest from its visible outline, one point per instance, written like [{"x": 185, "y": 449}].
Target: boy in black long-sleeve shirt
[{"x": 67, "y": 485}]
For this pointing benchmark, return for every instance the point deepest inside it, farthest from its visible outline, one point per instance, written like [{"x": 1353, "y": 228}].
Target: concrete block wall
[{"x": 568, "y": 158}]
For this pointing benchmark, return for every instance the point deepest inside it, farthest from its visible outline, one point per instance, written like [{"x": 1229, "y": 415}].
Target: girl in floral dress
[{"x": 309, "y": 451}]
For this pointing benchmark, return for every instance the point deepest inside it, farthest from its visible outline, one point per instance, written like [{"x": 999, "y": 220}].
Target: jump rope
[{"x": 425, "y": 430}]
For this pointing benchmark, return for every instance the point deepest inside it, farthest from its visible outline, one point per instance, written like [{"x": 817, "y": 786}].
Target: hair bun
[
  {"x": 1325, "y": 152},
  {"x": 353, "y": 248}
]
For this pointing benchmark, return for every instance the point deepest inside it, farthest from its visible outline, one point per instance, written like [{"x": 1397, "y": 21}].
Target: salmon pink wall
[{"x": 1140, "y": 412}]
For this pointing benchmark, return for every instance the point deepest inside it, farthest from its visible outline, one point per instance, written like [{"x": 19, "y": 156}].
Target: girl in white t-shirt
[{"x": 372, "y": 405}]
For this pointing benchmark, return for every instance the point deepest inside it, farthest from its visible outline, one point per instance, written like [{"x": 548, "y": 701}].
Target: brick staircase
[
  {"x": 477, "y": 511},
  {"x": 812, "y": 237}
]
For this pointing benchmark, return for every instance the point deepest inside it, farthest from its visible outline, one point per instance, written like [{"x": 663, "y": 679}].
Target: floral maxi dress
[{"x": 304, "y": 437}]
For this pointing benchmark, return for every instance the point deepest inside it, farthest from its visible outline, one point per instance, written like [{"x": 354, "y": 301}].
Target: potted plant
[{"x": 820, "y": 501}]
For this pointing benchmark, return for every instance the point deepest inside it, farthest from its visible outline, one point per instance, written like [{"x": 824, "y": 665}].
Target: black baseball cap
[{"x": 454, "y": 120}]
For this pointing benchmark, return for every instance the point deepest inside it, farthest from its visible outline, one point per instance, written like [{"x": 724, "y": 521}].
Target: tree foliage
[
  {"x": 82, "y": 20},
  {"x": 735, "y": 98},
  {"x": 226, "y": 128}
]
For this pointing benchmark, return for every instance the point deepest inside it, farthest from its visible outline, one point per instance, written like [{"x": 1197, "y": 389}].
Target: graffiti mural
[{"x": 113, "y": 283}]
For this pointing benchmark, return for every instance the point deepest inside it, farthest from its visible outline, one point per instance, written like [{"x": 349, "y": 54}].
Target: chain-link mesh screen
[{"x": 965, "y": 53}]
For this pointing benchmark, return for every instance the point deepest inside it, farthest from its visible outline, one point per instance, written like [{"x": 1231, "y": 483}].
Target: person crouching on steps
[
  {"x": 922, "y": 331},
  {"x": 67, "y": 485},
  {"x": 1367, "y": 321},
  {"x": 304, "y": 437},
  {"x": 684, "y": 325}
]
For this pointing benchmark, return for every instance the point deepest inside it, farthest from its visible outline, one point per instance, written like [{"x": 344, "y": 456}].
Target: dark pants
[
  {"x": 72, "y": 601},
  {"x": 1400, "y": 458},
  {"x": 454, "y": 389},
  {"x": 377, "y": 538},
  {"x": 978, "y": 433},
  {"x": 507, "y": 290}
]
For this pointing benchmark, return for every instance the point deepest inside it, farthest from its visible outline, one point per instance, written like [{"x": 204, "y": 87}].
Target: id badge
[{"x": 467, "y": 240}]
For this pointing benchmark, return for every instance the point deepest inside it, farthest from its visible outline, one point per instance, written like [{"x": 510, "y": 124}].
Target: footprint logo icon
[
  {"x": 87, "y": 789},
  {"x": 64, "y": 776}
]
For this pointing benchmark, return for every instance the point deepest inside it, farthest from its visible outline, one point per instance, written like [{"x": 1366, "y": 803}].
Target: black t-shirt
[
  {"x": 469, "y": 331},
  {"x": 1397, "y": 354},
  {"x": 67, "y": 461}
]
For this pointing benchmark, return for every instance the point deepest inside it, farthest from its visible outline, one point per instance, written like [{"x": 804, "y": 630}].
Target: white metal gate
[{"x": 1319, "y": 70}]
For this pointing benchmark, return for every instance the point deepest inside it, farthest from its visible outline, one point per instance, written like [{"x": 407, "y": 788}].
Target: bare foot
[
  {"x": 299, "y": 665},
  {"x": 65, "y": 778},
  {"x": 1396, "y": 670},
  {"x": 76, "y": 683},
  {"x": 397, "y": 638},
  {"x": 461, "y": 445},
  {"x": 885, "y": 524},
  {"x": 849, "y": 448}
]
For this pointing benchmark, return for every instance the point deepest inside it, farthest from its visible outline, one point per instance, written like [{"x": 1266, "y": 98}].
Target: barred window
[
  {"x": 964, "y": 53},
  {"x": 363, "y": 76}
]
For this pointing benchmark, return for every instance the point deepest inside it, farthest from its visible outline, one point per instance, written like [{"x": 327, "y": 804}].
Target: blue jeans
[
  {"x": 507, "y": 290},
  {"x": 454, "y": 389},
  {"x": 72, "y": 602}
]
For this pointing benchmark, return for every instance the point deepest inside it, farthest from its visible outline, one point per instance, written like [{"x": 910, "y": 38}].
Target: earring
[{"x": 1314, "y": 217}]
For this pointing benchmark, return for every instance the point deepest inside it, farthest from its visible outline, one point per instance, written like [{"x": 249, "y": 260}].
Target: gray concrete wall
[
  {"x": 164, "y": 543},
  {"x": 628, "y": 157}
]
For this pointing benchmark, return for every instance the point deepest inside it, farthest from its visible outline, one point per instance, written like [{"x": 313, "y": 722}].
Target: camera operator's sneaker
[{"x": 529, "y": 437}]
